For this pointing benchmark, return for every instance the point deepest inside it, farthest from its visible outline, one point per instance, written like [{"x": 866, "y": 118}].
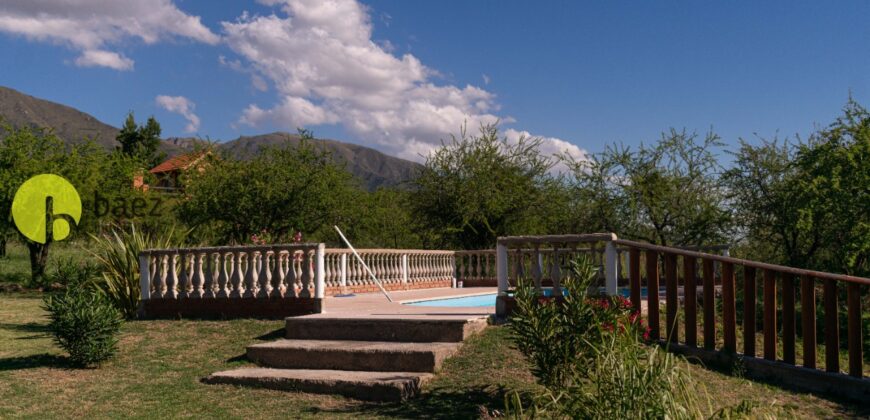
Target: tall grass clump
[
  {"x": 590, "y": 355},
  {"x": 117, "y": 255}
]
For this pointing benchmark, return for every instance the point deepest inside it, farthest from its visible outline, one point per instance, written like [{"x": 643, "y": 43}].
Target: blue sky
[{"x": 399, "y": 75}]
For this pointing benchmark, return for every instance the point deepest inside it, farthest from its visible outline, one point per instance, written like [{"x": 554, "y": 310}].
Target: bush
[
  {"x": 559, "y": 335},
  {"x": 588, "y": 353},
  {"x": 84, "y": 323}
]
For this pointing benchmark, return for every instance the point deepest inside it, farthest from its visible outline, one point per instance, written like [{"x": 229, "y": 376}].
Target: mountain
[
  {"x": 70, "y": 124},
  {"x": 373, "y": 168}
]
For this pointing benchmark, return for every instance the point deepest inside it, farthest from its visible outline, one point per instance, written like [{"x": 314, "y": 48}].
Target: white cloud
[
  {"x": 90, "y": 26},
  {"x": 326, "y": 69},
  {"x": 182, "y": 106},
  {"x": 551, "y": 146},
  {"x": 100, "y": 58}
]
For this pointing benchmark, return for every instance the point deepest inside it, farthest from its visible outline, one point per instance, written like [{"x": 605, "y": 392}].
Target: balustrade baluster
[
  {"x": 184, "y": 276},
  {"x": 536, "y": 268},
  {"x": 304, "y": 292},
  {"x": 198, "y": 276},
  {"x": 172, "y": 280},
  {"x": 223, "y": 276},
  {"x": 208, "y": 287},
  {"x": 264, "y": 277},
  {"x": 236, "y": 279}
]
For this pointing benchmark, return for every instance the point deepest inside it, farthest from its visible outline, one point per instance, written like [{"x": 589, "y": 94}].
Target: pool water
[{"x": 480, "y": 301}]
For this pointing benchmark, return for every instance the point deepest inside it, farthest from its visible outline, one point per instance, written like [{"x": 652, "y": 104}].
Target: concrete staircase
[{"x": 369, "y": 358}]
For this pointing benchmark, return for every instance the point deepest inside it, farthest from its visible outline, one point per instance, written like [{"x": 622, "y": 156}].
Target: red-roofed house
[{"x": 168, "y": 172}]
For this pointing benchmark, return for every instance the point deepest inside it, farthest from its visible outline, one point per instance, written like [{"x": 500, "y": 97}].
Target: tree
[
  {"x": 668, "y": 193},
  {"x": 835, "y": 176},
  {"x": 475, "y": 188},
  {"x": 807, "y": 204},
  {"x": 27, "y": 152},
  {"x": 281, "y": 190},
  {"x": 141, "y": 141}
]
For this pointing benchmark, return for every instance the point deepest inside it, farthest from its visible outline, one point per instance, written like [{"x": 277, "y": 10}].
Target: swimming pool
[{"x": 481, "y": 301}]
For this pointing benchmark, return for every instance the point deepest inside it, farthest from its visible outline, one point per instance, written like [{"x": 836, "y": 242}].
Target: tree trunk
[{"x": 38, "y": 260}]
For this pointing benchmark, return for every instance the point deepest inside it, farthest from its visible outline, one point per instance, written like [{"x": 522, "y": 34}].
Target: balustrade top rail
[
  {"x": 231, "y": 248},
  {"x": 389, "y": 251},
  {"x": 747, "y": 263}
]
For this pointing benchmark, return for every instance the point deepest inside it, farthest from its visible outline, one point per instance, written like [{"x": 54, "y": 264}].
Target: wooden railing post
[
  {"x": 691, "y": 301},
  {"x": 634, "y": 275},
  {"x": 709, "y": 306},
  {"x": 788, "y": 316},
  {"x": 749, "y": 299},
  {"x": 832, "y": 329},
  {"x": 652, "y": 293},
  {"x": 808, "y": 320},
  {"x": 672, "y": 302},
  {"x": 856, "y": 358},
  {"x": 611, "y": 261},
  {"x": 729, "y": 318},
  {"x": 769, "y": 314}
]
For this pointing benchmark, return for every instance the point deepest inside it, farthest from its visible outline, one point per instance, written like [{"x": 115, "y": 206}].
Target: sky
[{"x": 400, "y": 76}]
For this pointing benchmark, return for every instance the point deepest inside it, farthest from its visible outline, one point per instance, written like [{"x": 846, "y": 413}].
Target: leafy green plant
[
  {"x": 117, "y": 255},
  {"x": 624, "y": 380},
  {"x": 559, "y": 334},
  {"x": 85, "y": 323}
]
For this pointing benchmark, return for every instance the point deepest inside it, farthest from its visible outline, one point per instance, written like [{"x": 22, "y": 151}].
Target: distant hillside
[
  {"x": 372, "y": 167},
  {"x": 70, "y": 124}
]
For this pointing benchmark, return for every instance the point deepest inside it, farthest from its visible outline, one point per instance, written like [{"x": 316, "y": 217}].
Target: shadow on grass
[
  {"x": 438, "y": 404},
  {"x": 30, "y": 327},
  {"x": 34, "y": 361},
  {"x": 272, "y": 336}
]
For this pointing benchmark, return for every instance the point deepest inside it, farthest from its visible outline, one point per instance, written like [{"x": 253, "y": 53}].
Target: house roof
[{"x": 180, "y": 162}]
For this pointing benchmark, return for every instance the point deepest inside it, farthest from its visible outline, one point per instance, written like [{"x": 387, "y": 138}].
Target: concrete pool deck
[{"x": 376, "y": 305}]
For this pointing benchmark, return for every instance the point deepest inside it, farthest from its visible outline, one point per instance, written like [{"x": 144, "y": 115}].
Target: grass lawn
[{"x": 158, "y": 369}]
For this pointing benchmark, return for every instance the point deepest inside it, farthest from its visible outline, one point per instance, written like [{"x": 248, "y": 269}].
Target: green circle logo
[{"x": 45, "y": 207}]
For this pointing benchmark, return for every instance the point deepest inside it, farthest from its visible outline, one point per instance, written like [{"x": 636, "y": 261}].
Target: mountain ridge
[{"x": 373, "y": 168}]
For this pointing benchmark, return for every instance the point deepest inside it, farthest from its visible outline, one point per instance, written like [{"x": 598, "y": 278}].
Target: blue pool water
[{"x": 479, "y": 301}]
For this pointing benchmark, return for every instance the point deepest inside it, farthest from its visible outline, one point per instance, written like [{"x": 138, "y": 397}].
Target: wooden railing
[
  {"x": 390, "y": 266},
  {"x": 681, "y": 267},
  {"x": 274, "y": 271},
  {"x": 478, "y": 267}
]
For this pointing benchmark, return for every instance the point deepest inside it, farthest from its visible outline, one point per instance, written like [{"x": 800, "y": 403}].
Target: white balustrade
[{"x": 274, "y": 271}]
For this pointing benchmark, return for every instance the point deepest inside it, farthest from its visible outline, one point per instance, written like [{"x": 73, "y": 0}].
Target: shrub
[
  {"x": 560, "y": 334},
  {"x": 587, "y": 352},
  {"x": 117, "y": 257},
  {"x": 84, "y": 322}
]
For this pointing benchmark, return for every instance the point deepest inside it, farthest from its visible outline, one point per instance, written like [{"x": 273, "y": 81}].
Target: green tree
[
  {"x": 281, "y": 190},
  {"x": 807, "y": 204},
  {"x": 141, "y": 141},
  {"x": 26, "y": 152},
  {"x": 476, "y": 188},
  {"x": 668, "y": 193}
]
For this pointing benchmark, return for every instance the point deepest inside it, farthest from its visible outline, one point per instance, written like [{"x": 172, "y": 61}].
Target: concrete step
[
  {"x": 412, "y": 330},
  {"x": 369, "y": 386},
  {"x": 378, "y": 356}
]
